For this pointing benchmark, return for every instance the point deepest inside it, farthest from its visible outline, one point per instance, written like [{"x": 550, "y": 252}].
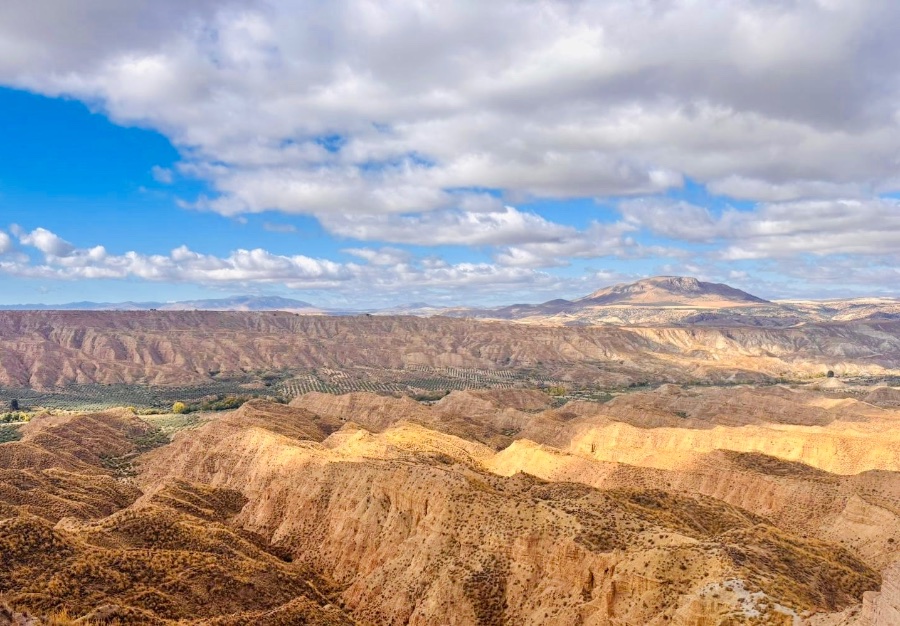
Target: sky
[{"x": 371, "y": 153}]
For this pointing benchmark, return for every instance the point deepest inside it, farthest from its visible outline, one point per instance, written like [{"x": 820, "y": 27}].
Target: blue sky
[{"x": 203, "y": 150}]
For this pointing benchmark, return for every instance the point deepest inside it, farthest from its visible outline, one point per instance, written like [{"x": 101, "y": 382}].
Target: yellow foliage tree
[{"x": 179, "y": 407}]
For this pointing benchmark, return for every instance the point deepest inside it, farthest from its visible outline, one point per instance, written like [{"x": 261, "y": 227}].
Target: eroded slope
[
  {"x": 421, "y": 534},
  {"x": 74, "y": 539},
  {"x": 386, "y": 511},
  {"x": 48, "y": 349}
]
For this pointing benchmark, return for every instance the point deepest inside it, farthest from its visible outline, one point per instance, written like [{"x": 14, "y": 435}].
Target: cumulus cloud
[
  {"x": 597, "y": 241},
  {"x": 381, "y": 256},
  {"x": 358, "y": 107},
  {"x": 477, "y": 228},
  {"x": 777, "y": 230},
  {"x": 744, "y": 188},
  {"x": 815, "y": 227},
  {"x": 518, "y": 238},
  {"x": 6, "y": 243},
  {"x": 62, "y": 260},
  {"x": 45, "y": 241},
  {"x": 389, "y": 270},
  {"x": 676, "y": 220}
]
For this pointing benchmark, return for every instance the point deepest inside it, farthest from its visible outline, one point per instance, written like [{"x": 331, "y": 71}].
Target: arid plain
[{"x": 667, "y": 452}]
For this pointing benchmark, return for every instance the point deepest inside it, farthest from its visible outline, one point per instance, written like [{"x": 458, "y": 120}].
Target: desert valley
[
  {"x": 429, "y": 313},
  {"x": 668, "y": 452}
]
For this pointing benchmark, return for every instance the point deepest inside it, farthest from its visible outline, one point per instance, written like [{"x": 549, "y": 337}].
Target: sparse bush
[
  {"x": 151, "y": 439},
  {"x": 223, "y": 403},
  {"x": 9, "y": 433},
  {"x": 16, "y": 416}
]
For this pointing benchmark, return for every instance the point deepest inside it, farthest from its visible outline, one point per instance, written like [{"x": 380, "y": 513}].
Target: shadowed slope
[
  {"x": 59, "y": 468},
  {"x": 157, "y": 563},
  {"x": 170, "y": 557}
]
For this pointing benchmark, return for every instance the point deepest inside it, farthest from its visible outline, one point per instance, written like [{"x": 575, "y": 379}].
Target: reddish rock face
[{"x": 51, "y": 349}]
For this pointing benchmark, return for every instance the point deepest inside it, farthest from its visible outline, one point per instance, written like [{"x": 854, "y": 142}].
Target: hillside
[
  {"x": 56, "y": 349},
  {"x": 488, "y": 507},
  {"x": 666, "y": 505}
]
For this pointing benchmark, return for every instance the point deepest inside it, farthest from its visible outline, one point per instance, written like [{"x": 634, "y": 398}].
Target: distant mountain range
[
  {"x": 234, "y": 303},
  {"x": 658, "y": 300}
]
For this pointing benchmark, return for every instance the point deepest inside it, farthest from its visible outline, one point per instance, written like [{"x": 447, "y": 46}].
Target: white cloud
[
  {"x": 6, "y": 244},
  {"x": 747, "y": 188},
  {"x": 84, "y": 36},
  {"x": 162, "y": 175},
  {"x": 381, "y": 256},
  {"x": 47, "y": 242},
  {"x": 777, "y": 230},
  {"x": 323, "y": 191},
  {"x": 475, "y": 228},
  {"x": 64, "y": 261},
  {"x": 387, "y": 270},
  {"x": 814, "y": 227},
  {"x": 597, "y": 241},
  {"x": 761, "y": 100},
  {"x": 677, "y": 220}
]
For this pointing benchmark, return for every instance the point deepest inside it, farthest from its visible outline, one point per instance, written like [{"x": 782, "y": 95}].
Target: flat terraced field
[
  {"x": 415, "y": 380},
  {"x": 97, "y": 397}
]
